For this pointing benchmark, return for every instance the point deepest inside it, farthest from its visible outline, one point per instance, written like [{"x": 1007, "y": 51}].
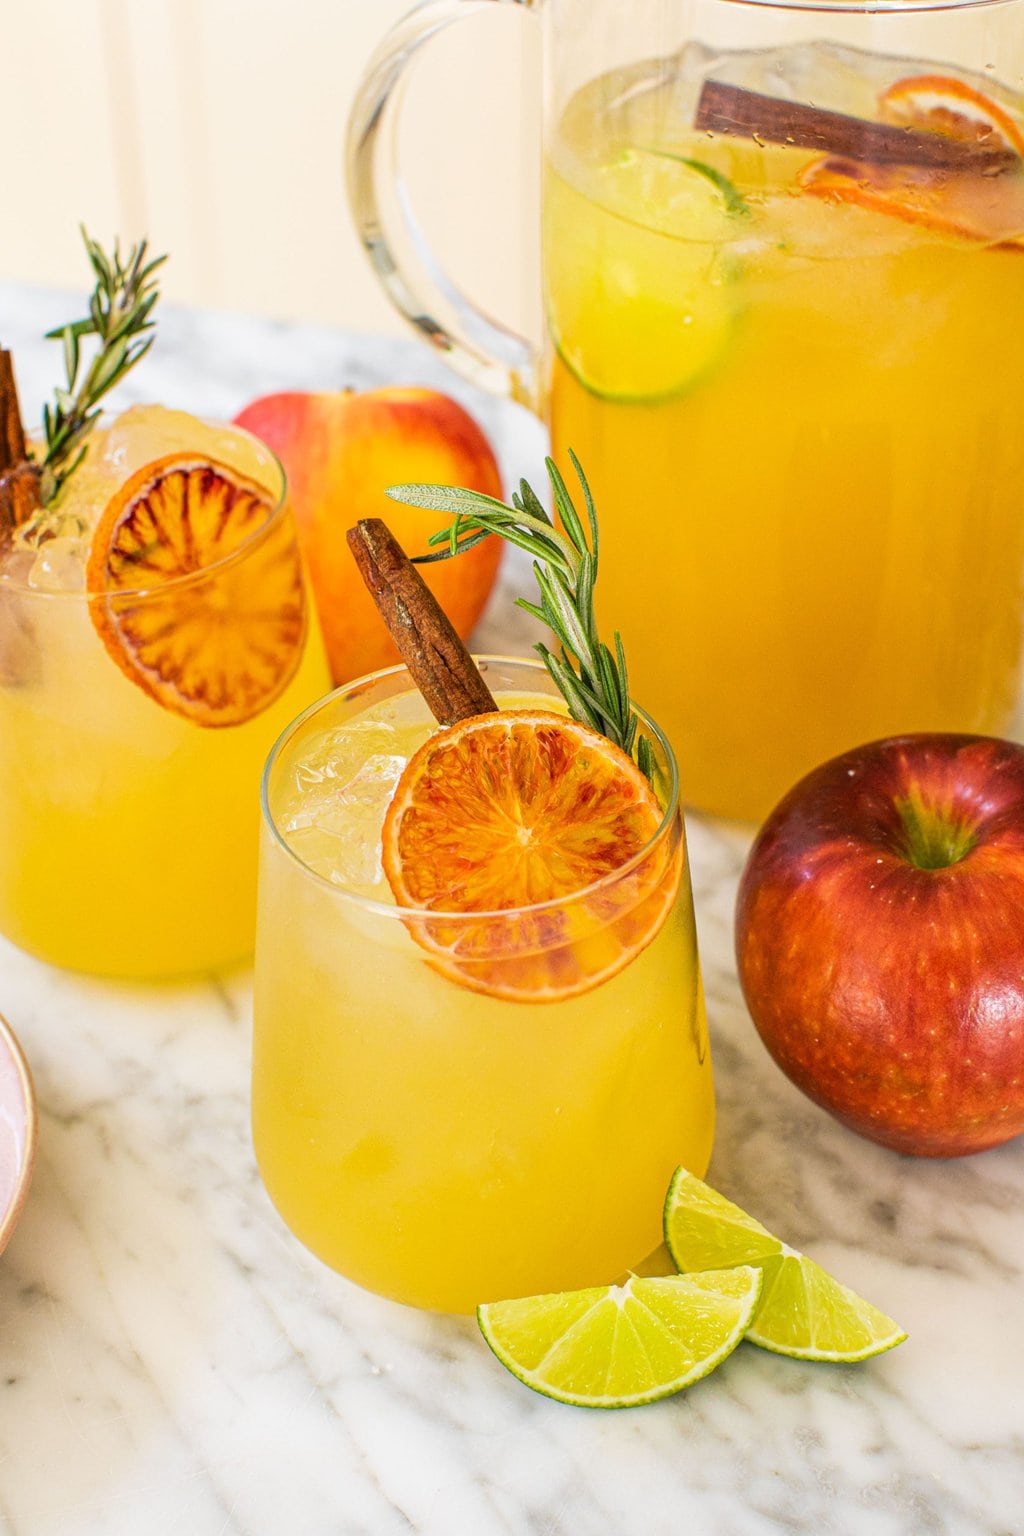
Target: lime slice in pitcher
[{"x": 641, "y": 281}]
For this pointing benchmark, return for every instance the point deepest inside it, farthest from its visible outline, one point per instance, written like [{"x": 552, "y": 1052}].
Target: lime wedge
[
  {"x": 803, "y": 1311},
  {"x": 614, "y": 1346},
  {"x": 640, "y": 280}
]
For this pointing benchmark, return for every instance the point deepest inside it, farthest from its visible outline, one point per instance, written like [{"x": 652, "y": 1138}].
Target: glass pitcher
[{"x": 783, "y": 269}]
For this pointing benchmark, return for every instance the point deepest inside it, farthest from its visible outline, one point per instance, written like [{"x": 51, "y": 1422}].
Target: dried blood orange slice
[
  {"x": 197, "y": 589},
  {"x": 945, "y": 105},
  {"x": 975, "y": 205},
  {"x": 987, "y": 208},
  {"x": 535, "y": 841}
]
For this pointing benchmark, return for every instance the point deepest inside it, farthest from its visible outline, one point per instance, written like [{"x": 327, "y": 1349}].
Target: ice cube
[
  {"x": 334, "y": 820},
  {"x": 147, "y": 432},
  {"x": 342, "y": 752},
  {"x": 336, "y": 787},
  {"x": 16, "y": 564},
  {"x": 351, "y": 862},
  {"x": 59, "y": 566}
]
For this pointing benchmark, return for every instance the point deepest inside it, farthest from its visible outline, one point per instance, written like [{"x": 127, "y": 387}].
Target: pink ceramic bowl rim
[{"x": 17, "y": 1073}]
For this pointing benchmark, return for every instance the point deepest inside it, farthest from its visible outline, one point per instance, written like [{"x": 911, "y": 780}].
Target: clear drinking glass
[
  {"x": 128, "y": 819},
  {"x": 783, "y": 266},
  {"x": 430, "y": 1139}
]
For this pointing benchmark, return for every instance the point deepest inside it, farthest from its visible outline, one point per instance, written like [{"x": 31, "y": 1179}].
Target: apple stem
[{"x": 935, "y": 839}]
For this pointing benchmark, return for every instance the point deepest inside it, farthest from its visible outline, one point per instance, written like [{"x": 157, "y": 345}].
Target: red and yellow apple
[
  {"x": 340, "y": 451},
  {"x": 880, "y": 940}
]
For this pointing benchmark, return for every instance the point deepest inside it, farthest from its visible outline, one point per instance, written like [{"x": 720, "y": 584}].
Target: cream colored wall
[{"x": 217, "y": 127}]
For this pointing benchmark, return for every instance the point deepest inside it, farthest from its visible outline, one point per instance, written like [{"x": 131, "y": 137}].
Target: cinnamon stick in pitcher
[
  {"x": 438, "y": 662},
  {"x": 733, "y": 110}
]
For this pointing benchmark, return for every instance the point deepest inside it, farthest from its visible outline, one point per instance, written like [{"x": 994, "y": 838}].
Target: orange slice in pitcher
[
  {"x": 979, "y": 205},
  {"x": 989, "y": 209},
  {"x": 945, "y": 105},
  {"x": 197, "y": 589},
  {"x": 531, "y": 837}
]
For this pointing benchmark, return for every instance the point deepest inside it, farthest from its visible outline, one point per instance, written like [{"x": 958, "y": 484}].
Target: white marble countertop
[{"x": 172, "y": 1361}]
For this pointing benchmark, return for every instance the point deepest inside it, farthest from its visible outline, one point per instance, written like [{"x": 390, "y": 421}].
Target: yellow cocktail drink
[
  {"x": 133, "y": 723},
  {"x": 430, "y": 1140},
  {"x": 794, "y": 383}
]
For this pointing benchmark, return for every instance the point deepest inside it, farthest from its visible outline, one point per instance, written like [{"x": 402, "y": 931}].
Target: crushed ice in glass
[{"x": 340, "y": 792}]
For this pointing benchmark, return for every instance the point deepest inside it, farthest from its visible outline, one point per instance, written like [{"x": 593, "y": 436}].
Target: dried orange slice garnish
[
  {"x": 975, "y": 205},
  {"x": 945, "y": 105},
  {"x": 208, "y": 636},
  {"x": 984, "y": 208},
  {"x": 526, "y": 832}
]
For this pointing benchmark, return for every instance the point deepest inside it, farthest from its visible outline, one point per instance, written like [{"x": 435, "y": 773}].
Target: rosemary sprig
[
  {"x": 119, "y": 317},
  {"x": 590, "y": 675}
]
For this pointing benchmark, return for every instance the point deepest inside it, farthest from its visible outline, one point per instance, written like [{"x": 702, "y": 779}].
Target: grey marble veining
[{"x": 172, "y": 1361}]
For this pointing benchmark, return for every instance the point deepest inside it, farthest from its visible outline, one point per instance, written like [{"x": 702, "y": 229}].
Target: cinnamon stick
[
  {"x": 19, "y": 477},
  {"x": 731, "y": 109},
  {"x": 440, "y": 665},
  {"x": 12, "y": 432},
  {"x": 20, "y": 495}
]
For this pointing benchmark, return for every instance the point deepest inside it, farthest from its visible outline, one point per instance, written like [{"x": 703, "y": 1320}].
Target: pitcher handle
[{"x": 487, "y": 353}]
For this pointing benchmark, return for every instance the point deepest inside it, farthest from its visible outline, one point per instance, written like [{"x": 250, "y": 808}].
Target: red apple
[
  {"x": 880, "y": 940},
  {"x": 340, "y": 451}
]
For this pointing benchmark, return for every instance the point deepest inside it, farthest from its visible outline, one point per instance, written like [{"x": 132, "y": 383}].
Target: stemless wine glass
[
  {"x": 135, "y": 720},
  {"x": 783, "y": 266},
  {"x": 428, "y": 1120}
]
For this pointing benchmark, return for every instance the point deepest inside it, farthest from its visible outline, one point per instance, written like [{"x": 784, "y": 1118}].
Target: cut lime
[
  {"x": 640, "y": 278},
  {"x": 803, "y": 1311},
  {"x": 731, "y": 198},
  {"x": 614, "y": 1346},
  {"x": 674, "y": 194}
]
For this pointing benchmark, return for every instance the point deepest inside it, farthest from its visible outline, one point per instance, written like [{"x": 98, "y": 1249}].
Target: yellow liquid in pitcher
[{"x": 800, "y": 420}]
